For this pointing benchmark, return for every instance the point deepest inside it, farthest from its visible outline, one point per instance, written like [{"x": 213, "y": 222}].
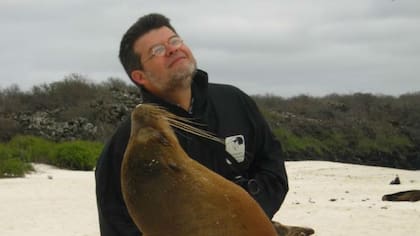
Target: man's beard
[{"x": 179, "y": 79}]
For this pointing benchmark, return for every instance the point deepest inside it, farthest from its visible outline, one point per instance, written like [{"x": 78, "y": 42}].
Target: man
[{"x": 161, "y": 64}]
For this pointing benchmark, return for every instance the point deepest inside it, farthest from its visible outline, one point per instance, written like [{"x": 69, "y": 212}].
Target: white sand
[
  {"x": 65, "y": 205},
  {"x": 358, "y": 208},
  {"x": 38, "y": 206}
]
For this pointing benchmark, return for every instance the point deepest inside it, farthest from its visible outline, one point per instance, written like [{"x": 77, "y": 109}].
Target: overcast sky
[{"x": 278, "y": 47}]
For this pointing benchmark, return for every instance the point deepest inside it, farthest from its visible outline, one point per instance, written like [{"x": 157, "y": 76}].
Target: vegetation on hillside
[{"x": 358, "y": 128}]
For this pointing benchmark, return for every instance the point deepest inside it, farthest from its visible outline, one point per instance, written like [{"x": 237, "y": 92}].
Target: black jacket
[{"x": 226, "y": 111}]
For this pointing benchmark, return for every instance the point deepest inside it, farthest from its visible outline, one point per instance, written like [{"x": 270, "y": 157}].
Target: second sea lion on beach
[
  {"x": 410, "y": 196},
  {"x": 168, "y": 193}
]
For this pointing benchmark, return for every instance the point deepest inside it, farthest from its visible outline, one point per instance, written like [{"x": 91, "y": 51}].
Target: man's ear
[{"x": 138, "y": 77}]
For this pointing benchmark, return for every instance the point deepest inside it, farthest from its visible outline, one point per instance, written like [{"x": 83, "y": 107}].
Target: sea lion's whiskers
[
  {"x": 179, "y": 123},
  {"x": 183, "y": 123}
]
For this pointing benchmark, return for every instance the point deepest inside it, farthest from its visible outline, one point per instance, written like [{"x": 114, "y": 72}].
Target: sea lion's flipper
[{"x": 287, "y": 230}]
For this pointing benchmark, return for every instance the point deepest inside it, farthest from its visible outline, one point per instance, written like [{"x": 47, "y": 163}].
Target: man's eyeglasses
[{"x": 160, "y": 49}]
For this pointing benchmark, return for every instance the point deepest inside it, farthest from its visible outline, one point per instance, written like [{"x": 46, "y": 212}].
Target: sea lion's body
[
  {"x": 168, "y": 193},
  {"x": 410, "y": 196}
]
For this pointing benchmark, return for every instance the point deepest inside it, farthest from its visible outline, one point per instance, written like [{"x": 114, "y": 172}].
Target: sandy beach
[{"x": 333, "y": 198}]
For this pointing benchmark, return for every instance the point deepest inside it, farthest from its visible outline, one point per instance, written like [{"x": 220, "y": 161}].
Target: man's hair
[{"x": 129, "y": 59}]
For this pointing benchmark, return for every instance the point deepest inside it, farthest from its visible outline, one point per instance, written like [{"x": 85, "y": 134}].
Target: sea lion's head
[
  {"x": 150, "y": 123},
  {"x": 151, "y": 139}
]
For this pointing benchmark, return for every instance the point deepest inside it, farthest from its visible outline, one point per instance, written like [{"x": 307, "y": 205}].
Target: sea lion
[
  {"x": 410, "y": 196},
  {"x": 168, "y": 193}
]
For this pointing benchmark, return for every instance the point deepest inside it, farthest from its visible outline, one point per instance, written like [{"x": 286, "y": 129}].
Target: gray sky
[{"x": 279, "y": 47}]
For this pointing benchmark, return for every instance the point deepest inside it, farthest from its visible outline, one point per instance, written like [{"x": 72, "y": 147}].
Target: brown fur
[
  {"x": 168, "y": 193},
  {"x": 410, "y": 196}
]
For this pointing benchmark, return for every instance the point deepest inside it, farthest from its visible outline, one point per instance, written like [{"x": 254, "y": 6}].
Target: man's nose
[{"x": 170, "y": 49}]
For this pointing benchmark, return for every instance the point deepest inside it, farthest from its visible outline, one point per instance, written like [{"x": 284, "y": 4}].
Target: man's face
[{"x": 166, "y": 73}]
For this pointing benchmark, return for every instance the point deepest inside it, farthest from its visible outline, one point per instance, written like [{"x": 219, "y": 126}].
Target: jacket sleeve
[
  {"x": 114, "y": 219},
  {"x": 268, "y": 167}
]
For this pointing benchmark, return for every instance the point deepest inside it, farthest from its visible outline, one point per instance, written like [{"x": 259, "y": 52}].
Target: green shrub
[
  {"x": 16, "y": 156},
  {"x": 77, "y": 155},
  {"x": 11, "y": 166},
  {"x": 31, "y": 149},
  {"x": 5, "y": 152}
]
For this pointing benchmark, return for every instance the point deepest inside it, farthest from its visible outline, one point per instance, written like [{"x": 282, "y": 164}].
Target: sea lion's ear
[{"x": 138, "y": 77}]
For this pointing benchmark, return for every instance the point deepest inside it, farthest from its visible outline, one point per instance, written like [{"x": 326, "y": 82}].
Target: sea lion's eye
[
  {"x": 163, "y": 140},
  {"x": 158, "y": 136}
]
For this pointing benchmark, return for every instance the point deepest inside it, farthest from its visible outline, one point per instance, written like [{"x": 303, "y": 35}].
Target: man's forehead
[{"x": 153, "y": 37}]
